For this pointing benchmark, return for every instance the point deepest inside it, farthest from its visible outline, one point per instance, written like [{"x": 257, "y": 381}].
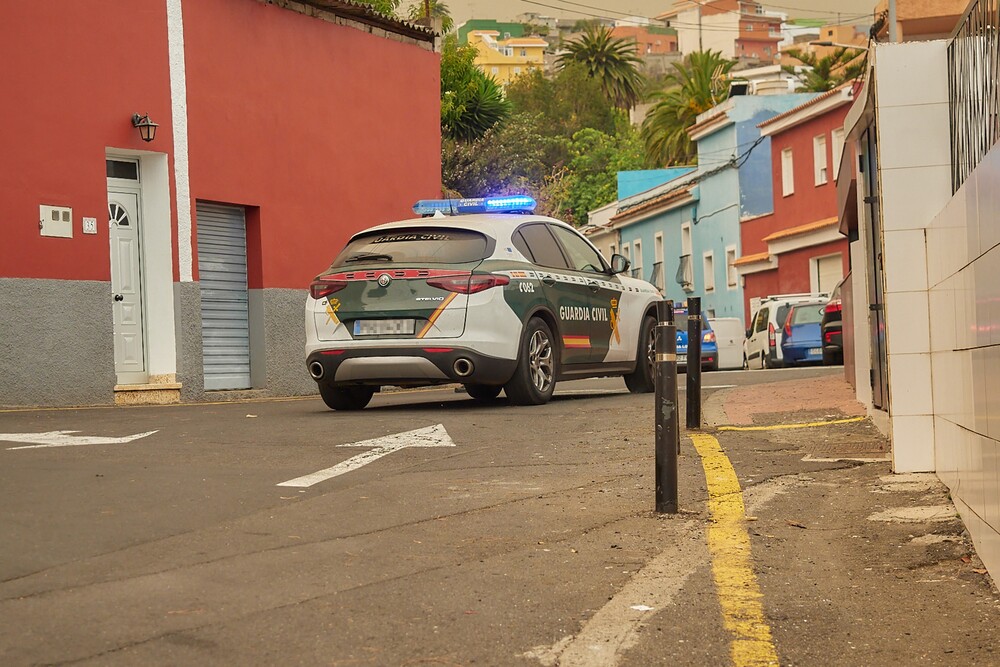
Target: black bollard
[
  {"x": 667, "y": 418},
  {"x": 694, "y": 364}
]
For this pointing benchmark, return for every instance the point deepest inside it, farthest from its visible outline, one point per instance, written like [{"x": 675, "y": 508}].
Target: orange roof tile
[
  {"x": 802, "y": 229},
  {"x": 805, "y": 105},
  {"x": 752, "y": 259},
  {"x": 653, "y": 203}
]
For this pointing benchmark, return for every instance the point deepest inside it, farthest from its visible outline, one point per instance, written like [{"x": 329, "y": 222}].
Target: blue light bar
[{"x": 511, "y": 204}]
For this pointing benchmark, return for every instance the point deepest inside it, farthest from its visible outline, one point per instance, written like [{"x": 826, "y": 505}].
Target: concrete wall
[{"x": 56, "y": 342}]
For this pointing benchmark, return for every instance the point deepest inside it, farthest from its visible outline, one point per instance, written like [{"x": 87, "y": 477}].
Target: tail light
[
  {"x": 324, "y": 288},
  {"x": 466, "y": 284},
  {"x": 833, "y": 307},
  {"x": 708, "y": 337},
  {"x": 788, "y": 328},
  {"x": 770, "y": 335}
]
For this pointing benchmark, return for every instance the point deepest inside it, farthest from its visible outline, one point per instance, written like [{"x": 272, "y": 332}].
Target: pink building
[{"x": 158, "y": 271}]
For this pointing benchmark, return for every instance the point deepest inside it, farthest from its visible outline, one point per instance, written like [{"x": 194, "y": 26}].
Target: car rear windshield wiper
[{"x": 360, "y": 257}]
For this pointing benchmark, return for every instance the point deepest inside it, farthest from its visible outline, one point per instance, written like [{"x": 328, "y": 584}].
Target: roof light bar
[{"x": 511, "y": 204}]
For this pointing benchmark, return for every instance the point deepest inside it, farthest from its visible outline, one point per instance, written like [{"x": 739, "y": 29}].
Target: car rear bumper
[
  {"x": 407, "y": 366},
  {"x": 802, "y": 354}
]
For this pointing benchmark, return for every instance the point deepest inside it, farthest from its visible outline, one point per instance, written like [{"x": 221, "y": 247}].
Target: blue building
[{"x": 684, "y": 235}]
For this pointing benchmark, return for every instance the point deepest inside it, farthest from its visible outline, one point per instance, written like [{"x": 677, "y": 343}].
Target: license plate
[
  {"x": 383, "y": 327},
  {"x": 815, "y": 350}
]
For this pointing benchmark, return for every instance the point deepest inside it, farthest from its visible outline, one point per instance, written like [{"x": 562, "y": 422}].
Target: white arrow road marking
[
  {"x": 64, "y": 439},
  {"x": 432, "y": 436}
]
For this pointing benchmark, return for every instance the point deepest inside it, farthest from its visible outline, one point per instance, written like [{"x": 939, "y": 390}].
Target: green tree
[
  {"x": 568, "y": 101},
  {"x": 696, "y": 85},
  {"x": 471, "y": 101},
  {"x": 828, "y": 72},
  {"x": 438, "y": 9},
  {"x": 505, "y": 160},
  {"x": 591, "y": 179},
  {"x": 611, "y": 61}
]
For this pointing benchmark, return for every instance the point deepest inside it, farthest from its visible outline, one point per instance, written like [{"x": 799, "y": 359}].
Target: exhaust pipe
[
  {"x": 463, "y": 367},
  {"x": 316, "y": 370}
]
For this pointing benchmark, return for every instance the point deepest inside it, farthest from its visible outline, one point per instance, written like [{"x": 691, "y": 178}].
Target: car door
[
  {"x": 757, "y": 343},
  {"x": 566, "y": 290},
  {"x": 608, "y": 340}
]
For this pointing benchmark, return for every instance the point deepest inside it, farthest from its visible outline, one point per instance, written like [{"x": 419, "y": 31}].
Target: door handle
[
  {"x": 119, "y": 297},
  {"x": 594, "y": 287},
  {"x": 549, "y": 280}
]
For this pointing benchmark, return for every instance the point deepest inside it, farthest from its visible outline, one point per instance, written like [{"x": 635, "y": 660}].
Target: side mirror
[
  {"x": 619, "y": 263},
  {"x": 749, "y": 332}
]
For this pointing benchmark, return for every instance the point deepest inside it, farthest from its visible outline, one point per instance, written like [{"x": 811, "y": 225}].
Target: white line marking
[
  {"x": 64, "y": 439},
  {"x": 432, "y": 436}
]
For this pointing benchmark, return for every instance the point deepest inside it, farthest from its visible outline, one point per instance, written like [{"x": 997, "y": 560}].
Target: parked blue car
[
  {"x": 709, "y": 347},
  {"x": 802, "y": 342}
]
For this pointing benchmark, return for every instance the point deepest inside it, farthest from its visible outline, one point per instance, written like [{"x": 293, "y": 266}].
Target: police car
[{"x": 479, "y": 292}]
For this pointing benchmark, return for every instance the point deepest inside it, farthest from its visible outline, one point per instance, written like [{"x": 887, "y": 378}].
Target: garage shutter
[
  {"x": 831, "y": 270},
  {"x": 222, "y": 269}
]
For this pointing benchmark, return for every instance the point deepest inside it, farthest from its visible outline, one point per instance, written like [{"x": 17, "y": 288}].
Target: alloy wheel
[{"x": 540, "y": 361}]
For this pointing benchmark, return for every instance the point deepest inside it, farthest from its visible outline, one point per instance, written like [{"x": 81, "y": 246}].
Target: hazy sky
[{"x": 462, "y": 10}]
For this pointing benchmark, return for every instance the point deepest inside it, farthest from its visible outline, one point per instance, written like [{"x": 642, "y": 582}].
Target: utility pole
[{"x": 700, "y": 47}]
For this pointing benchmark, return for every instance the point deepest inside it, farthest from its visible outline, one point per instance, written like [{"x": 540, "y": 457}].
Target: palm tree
[
  {"x": 610, "y": 60},
  {"x": 828, "y": 72},
  {"x": 438, "y": 10},
  {"x": 695, "y": 86}
]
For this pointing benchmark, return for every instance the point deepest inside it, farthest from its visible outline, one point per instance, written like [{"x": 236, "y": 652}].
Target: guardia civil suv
[{"x": 479, "y": 292}]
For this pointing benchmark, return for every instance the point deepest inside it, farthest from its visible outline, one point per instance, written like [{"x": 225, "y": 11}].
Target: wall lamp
[
  {"x": 147, "y": 128},
  {"x": 843, "y": 46}
]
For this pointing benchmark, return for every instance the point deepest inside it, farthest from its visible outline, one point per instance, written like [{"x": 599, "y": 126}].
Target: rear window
[
  {"x": 681, "y": 322},
  {"x": 810, "y": 314},
  {"x": 414, "y": 246}
]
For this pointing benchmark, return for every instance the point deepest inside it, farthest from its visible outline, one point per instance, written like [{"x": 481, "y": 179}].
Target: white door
[
  {"x": 829, "y": 271},
  {"x": 126, "y": 287}
]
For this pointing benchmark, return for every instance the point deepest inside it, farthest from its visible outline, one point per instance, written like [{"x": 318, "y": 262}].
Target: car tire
[
  {"x": 746, "y": 363},
  {"x": 643, "y": 379},
  {"x": 534, "y": 379},
  {"x": 484, "y": 393},
  {"x": 765, "y": 360},
  {"x": 714, "y": 366},
  {"x": 346, "y": 398}
]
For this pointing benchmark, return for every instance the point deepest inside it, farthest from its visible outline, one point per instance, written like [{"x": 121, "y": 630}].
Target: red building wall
[
  {"x": 810, "y": 202},
  {"x": 325, "y": 128},
  {"x": 69, "y": 88}
]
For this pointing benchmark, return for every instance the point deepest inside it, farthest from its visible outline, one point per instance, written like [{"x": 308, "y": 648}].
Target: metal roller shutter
[
  {"x": 831, "y": 271},
  {"x": 222, "y": 270}
]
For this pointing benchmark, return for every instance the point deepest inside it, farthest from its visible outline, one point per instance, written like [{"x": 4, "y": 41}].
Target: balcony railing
[
  {"x": 637, "y": 272},
  {"x": 973, "y": 87},
  {"x": 657, "y": 277},
  {"x": 685, "y": 274}
]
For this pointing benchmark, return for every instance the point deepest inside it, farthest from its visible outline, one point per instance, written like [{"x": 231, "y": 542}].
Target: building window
[
  {"x": 495, "y": 70},
  {"x": 708, "y": 265},
  {"x": 657, "y": 278},
  {"x": 748, "y": 27},
  {"x": 819, "y": 159},
  {"x": 627, "y": 251},
  {"x": 611, "y": 251},
  {"x": 787, "y": 173},
  {"x": 838, "y": 150},
  {"x": 767, "y": 50},
  {"x": 732, "y": 275},
  {"x": 637, "y": 264},
  {"x": 517, "y": 70},
  {"x": 685, "y": 272},
  {"x": 524, "y": 52}
]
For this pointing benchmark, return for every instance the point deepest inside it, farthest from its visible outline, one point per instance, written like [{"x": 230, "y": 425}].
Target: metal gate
[{"x": 222, "y": 271}]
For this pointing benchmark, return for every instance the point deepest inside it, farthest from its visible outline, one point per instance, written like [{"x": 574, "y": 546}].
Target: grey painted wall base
[
  {"x": 57, "y": 348},
  {"x": 277, "y": 345},
  {"x": 56, "y": 345}
]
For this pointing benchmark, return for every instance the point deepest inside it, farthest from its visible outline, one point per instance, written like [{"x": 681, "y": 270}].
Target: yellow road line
[
  {"x": 732, "y": 568},
  {"x": 778, "y": 427}
]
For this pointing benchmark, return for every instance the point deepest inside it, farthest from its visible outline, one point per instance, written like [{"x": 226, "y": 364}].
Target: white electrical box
[
  {"x": 90, "y": 225},
  {"x": 56, "y": 221}
]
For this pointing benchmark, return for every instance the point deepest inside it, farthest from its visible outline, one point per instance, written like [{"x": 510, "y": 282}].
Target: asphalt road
[{"x": 493, "y": 542}]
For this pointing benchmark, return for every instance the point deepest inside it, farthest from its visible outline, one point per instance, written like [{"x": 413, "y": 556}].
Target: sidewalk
[{"x": 855, "y": 565}]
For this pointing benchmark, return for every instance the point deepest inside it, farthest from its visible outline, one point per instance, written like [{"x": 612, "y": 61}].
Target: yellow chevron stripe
[{"x": 437, "y": 313}]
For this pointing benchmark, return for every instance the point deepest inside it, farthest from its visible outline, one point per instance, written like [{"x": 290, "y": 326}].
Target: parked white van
[{"x": 762, "y": 347}]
